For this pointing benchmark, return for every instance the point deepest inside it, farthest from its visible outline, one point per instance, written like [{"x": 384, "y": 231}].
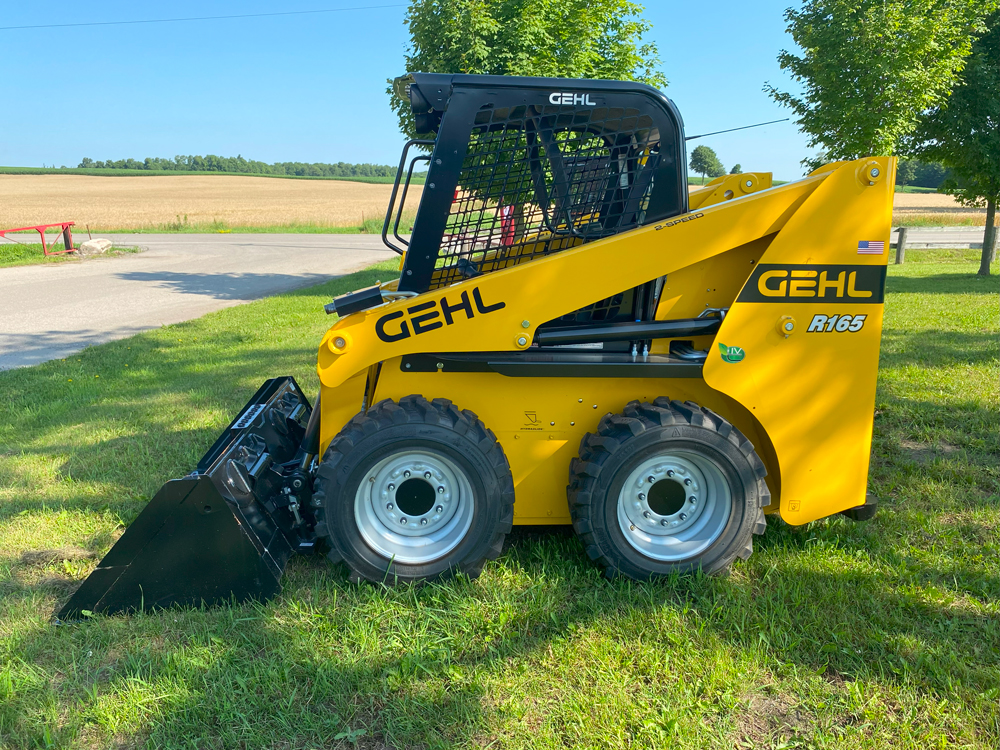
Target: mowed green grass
[
  {"x": 834, "y": 635},
  {"x": 23, "y": 254}
]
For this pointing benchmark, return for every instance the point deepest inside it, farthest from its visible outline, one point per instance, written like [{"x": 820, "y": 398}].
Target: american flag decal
[{"x": 870, "y": 247}]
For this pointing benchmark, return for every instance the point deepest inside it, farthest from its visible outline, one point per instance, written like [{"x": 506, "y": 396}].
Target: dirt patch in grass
[
  {"x": 771, "y": 718},
  {"x": 924, "y": 453},
  {"x": 42, "y": 557}
]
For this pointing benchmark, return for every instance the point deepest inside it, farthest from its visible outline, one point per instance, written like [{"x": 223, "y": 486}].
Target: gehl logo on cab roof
[
  {"x": 557, "y": 97},
  {"x": 427, "y": 316}
]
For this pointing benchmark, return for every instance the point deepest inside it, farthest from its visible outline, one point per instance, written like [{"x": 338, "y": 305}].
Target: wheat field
[
  {"x": 106, "y": 203},
  {"x": 934, "y": 208}
]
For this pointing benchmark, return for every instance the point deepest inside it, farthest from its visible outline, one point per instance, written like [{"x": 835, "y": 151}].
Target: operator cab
[{"x": 519, "y": 168}]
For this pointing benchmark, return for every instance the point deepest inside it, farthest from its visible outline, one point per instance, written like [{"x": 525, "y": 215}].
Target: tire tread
[
  {"x": 636, "y": 418},
  {"x": 415, "y": 410}
]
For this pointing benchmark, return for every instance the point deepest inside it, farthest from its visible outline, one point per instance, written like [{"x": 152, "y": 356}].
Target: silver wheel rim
[
  {"x": 668, "y": 526},
  {"x": 393, "y": 511}
]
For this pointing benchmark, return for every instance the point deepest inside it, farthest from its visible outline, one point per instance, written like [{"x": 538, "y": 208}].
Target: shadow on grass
[
  {"x": 936, "y": 348},
  {"x": 413, "y": 666},
  {"x": 945, "y": 283},
  {"x": 227, "y": 286}
]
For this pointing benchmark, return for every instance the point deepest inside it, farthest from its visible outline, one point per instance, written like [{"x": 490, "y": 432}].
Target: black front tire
[
  {"x": 461, "y": 445},
  {"x": 641, "y": 433}
]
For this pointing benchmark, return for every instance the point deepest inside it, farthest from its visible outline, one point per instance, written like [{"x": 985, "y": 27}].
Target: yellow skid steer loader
[{"x": 574, "y": 338}]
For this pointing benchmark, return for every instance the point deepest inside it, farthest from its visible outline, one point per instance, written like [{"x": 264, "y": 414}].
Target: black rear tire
[
  {"x": 356, "y": 482},
  {"x": 639, "y": 437}
]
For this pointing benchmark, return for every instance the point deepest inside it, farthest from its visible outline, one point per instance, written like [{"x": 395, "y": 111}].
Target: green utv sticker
[{"x": 731, "y": 353}]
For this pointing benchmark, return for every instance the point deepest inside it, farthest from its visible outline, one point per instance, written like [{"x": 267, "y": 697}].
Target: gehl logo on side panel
[
  {"x": 428, "y": 316},
  {"x": 557, "y": 97},
  {"x": 815, "y": 283}
]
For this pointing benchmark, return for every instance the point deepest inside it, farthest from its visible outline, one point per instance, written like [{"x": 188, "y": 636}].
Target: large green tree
[
  {"x": 706, "y": 162},
  {"x": 870, "y": 68},
  {"x": 558, "y": 38},
  {"x": 965, "y": 134}
]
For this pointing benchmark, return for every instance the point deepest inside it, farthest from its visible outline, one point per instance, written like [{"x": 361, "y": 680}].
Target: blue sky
[{"x": 312, "y": 87}]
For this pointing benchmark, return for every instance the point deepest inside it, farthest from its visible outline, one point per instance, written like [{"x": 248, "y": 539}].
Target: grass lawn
[
  {"x": 833, "y": 635},
  {"x": 12, "y": 254},
  {"x": 937, "y": 220}
]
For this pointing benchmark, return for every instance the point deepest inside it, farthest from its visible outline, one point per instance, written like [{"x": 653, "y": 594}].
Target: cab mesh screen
[{"x": 536, "y": 180}]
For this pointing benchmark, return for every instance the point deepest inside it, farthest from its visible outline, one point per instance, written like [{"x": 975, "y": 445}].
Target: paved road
[{"x": 51, "y": 311}]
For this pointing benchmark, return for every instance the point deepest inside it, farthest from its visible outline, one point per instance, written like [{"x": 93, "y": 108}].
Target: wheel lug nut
[
  {"x": 439, "y": 509},
  {"x": 406, "y": 473},
  {"x": 391, "y": 487},
  {"x": 646, "y": 515},
  {"x": 692, "y": 499},
  {"x": 670, "y": 472},
  {"x": 651, "y": 479},
  {"x": 687, "y": 482},
  {"x": 440, "y": 490},
  {"x": 664, "y": 522},
  {"x": 388, "y": 506},
  {"x": 642, "y": 496},
  {"x": 684, "y": 516},
  {"x": 427, "y": 475},
  {"x": 402, "y": 521},
  {"x": 423, "y": 521}
]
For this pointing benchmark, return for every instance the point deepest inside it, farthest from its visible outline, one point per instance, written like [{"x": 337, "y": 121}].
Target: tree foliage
[
  {"x": 964, "y": 134},
  {"x": 870, "y": 68},
  {"x": 929, "y": 174},
  {"x": 706, "y": 162},
  {"x": 239, "y": 165},
  {"x": 737, "y": 169},
  {"x": 557, "y": 38}
]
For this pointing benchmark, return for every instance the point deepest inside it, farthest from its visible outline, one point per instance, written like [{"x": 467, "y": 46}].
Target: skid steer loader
[{"x": 573, "y": 338}]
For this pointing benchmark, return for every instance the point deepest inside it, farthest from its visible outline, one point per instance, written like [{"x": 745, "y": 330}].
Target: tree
[
  {"x": 557, "y": 38},
  {"x": 906, "y": 172},
  {"x": 706, "y": 162},
  {"x": 870, "y": 68},
  {"x": 737, "y": 169},
  {"x": 965, "y": 135}
]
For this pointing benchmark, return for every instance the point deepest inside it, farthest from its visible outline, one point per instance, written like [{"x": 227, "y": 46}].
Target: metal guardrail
[{"x": 65, "y": 233}]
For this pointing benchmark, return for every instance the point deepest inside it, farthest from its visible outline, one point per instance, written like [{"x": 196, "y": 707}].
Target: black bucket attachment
[{"x": 226, "y": 531}]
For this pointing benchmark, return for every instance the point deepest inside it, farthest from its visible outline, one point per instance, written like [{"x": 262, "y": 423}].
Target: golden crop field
[
  {"x": 233, "y": 201},
  {"x": 935, "y": 208},
  {"x": 150, "y": 202}
]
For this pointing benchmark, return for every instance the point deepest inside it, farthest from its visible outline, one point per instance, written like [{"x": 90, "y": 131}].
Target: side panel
[
  {"x": 541, "y": 421},
  {"x": 812, "y": 387},
  {"x": 338, "y": 405}
]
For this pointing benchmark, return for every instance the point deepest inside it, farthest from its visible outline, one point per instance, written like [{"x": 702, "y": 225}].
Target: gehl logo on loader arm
[
  {"x": 427, "y": 316},
  {"x": 815, "y": 283}
]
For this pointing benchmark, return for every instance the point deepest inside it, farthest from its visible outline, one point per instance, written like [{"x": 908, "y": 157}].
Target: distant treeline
[
  {"x": 239, "y": 165},
  {"x": 921, "y": 174}
]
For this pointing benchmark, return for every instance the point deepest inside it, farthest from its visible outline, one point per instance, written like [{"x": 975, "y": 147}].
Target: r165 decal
[{"x": 837, "y": 323}]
